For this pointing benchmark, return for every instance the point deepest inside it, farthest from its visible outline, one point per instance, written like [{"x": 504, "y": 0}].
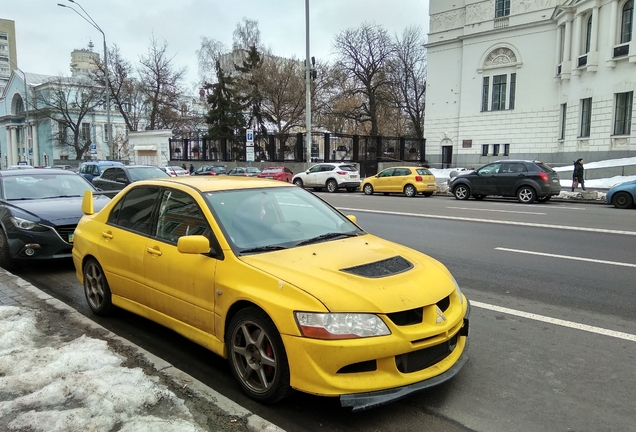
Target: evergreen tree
[
  {"x": 249, "y": 87},
  {"x": 225, "y": 118}
]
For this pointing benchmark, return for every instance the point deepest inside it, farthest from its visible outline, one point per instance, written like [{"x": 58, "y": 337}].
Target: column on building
[
  {"x": 612, "y": 32},
  {"x": 34, "y": 141},
  {"x": 567, "y": 49},
  {"x": 8, "y": 155},
  {"x": 577, "y": 45},
  {"x": 14, "y": 146},
  {"x": 592, "y": 56}
]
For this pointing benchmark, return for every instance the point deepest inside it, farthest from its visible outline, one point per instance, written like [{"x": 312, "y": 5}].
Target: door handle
[
  {"x": 153, "y": 251},
  {"x": 107, "y": 235}
]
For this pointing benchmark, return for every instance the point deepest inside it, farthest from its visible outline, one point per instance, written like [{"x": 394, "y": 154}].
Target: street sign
[
  {"x": 93, "y": 146},
  {"x": 249, "y": 154},
  {"x": 249, "y": 137}
]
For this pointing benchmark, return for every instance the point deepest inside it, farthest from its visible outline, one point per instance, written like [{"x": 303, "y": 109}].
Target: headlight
[
  {"x": 459, "y": 291},
  {"x": 340, "y": 325},
  {"x": 26, "y": 224}
]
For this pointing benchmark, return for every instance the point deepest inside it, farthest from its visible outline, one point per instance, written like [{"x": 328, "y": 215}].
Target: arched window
[
  {"x": 499, "y": 80},
  {"x": 627, "y": 21}
]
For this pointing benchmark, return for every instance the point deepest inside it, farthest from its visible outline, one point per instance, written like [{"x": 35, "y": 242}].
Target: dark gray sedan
[{"x": 117, "y": 178}]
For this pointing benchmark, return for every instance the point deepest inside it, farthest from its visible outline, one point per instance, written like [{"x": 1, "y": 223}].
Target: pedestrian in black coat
[
  {"x": 191, "y": 169},
  {"x": 578, "y": 175}
]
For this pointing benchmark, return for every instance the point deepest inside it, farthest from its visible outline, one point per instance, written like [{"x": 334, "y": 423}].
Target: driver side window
[
  {"x": 386, "y": 173},
  {"x": 490, "y": 169}
]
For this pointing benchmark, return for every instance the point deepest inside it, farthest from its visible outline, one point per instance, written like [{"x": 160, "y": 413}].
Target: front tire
[
  {"x": 257, "y": 356},
  {"x": 332, "y": 186},
  {"x": 526, "y": 195},
  {"x": 410, "y": 191},
  {"x": 461, "y": 192},
  {"x": 298, "y": 182},
  {"x": 621, "y": 200},
  {"x": 6, "y": 261},
  {"x": 367, "y": 189},
  {"x": 96, "y": 288}
]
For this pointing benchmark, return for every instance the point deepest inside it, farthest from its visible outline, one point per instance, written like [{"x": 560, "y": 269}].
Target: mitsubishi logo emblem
[{"x": 440, "y": 316}]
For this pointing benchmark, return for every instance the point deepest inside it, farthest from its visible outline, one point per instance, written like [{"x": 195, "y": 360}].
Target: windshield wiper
[
  {"x": 326, "y": 236},
  {"x": 61, "y": 196},
  {"x": 264, "y": 249}
]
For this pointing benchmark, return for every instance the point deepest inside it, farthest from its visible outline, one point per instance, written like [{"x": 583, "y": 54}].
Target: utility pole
[{"x": 308, "y": 87}]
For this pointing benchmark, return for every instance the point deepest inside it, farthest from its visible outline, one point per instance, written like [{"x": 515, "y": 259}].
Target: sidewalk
[{"x": 60, "y": 371}]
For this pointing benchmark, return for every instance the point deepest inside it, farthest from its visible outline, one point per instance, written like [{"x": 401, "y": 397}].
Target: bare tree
[
  {"x": 246, "y": 35},
  {"x": 125, "y": 90},
  {"x": 282, "y": 87},
  {"x": 408, "y": 72},
  {"x": 161, "y": 86},
  {"x": 207, "y": 56},
  {"x": 364, "y": 54},
  {"x": 68, "y": 102}
]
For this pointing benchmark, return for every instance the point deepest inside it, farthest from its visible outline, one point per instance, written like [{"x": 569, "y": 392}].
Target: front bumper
[
  {"x": 27, "y": 246},
  {"x": 364, "y": 401}
]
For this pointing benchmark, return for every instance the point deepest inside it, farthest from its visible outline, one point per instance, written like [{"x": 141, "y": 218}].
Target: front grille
[
  {"x": 424, "y": 358},
  {"x": 409, "y": 317},
  {"x": 64, "y": 231},
  {"x": 383, "y": 268}
]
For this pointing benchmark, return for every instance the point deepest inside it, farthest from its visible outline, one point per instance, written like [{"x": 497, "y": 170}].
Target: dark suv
[
  {"x": 118, "y": 177},
  {"x": 526, "y": 180}
]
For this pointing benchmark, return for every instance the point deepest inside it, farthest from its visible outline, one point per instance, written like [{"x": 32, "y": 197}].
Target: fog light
[{"x": 29, "y": 251}]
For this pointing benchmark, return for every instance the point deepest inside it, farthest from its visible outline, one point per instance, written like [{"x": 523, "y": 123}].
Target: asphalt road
[{"x": 553, "y": 323}]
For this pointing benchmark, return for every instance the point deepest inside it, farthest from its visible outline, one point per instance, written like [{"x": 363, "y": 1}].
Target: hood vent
[{"x": 378, "y": 269}]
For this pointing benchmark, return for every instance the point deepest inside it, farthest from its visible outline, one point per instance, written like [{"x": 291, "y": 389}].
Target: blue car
[
  {"x": 92, "y": 169},
  {"x": 623, "y": 195}
]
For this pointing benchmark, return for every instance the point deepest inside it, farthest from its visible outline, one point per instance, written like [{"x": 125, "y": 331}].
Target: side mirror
[
  {"x": 453, "y": 174},
  {"x": 307, "y": 172},
  {"x": 87, "y": 203},
  {"x": 353, "y": 219},
  {"x": 194, "y": 244}
]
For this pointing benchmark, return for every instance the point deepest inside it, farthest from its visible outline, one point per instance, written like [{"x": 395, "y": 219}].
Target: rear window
[
  {"x": 544, "y": 167},
  {"x": 347, "y": 168},
  {"x": 423, "y": 171},
  {"x": 271, "y": 170}
]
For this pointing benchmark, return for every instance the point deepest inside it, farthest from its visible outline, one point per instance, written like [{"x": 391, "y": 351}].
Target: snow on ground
[{"x": 78, "y": 385}]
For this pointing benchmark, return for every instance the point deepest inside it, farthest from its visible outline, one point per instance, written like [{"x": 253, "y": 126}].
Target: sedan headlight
[
  {"x": 459, "y": 291},
  {"x": 340, "y": 325},
  {"x": 26, "y": 224}
]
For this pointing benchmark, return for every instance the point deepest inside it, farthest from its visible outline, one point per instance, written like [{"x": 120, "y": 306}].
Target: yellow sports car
[
  {"x": 407, "y": 180},
  {"x": 295, "y": 294}
]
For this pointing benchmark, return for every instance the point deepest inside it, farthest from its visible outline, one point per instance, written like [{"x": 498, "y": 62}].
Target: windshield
[
  {"x": 145, "y": 173},
  {"x": 277, "y": 217},
  {"x": 42, "y": 186}
]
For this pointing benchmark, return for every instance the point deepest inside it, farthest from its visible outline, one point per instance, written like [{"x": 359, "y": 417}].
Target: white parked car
[
  {"x": 174, "y": 171},
  {"x": 332, "y": 176}
]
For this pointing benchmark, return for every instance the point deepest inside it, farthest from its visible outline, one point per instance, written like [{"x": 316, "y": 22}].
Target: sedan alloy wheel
[
  {"x": 368, "y": 189},
  {"x": 96, "y": 288},
  {"x": 257, "y": 356}
]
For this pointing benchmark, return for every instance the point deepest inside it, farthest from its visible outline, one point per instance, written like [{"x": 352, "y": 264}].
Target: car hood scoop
[{"x": 382, "y": 268}]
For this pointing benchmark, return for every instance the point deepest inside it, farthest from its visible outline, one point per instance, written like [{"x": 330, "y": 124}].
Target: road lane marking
[
  {"x": 556, "y": 321},
  {"x": 494, "y": 210},
  {"x": 467, "y": 219},
  {"x": 616, "y": 263}
]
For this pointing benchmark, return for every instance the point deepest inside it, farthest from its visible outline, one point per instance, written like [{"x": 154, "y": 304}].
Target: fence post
[
  {"x": 356, "y": 148},
  {"x": 271, "y": 148},
  {"x": 422, "y": 150},
  {"x": 186, "y": 149},
  {"x": 223, "y": 155},
  {"x": 204, "y": 148},
  {"x": 299, "y": 147},
  {"x": 327, "y": 150},
  {"x": 402, "y": 145}
]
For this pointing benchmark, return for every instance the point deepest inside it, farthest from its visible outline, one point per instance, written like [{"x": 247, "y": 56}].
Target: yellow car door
[
  {"x": 383, "y": 181},
  {"x": 123, "y": 241},
  {"x": 180, "y": 285},
  {"x": 399, "y": 179}
]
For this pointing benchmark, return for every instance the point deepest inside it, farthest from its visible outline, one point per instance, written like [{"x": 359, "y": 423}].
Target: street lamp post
[
  {"x": 94, "y": 24},
  {"x": 308, "y": 85}
]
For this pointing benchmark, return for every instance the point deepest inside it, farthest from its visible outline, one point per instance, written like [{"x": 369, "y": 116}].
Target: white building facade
[{"x": 552, "y": 80}]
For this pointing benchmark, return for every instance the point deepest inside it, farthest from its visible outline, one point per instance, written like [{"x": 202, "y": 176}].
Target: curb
[{"x": 175, "y": 376}]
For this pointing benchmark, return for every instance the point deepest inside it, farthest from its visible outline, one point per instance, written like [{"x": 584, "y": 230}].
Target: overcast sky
[{"x": 46, "y": 33}]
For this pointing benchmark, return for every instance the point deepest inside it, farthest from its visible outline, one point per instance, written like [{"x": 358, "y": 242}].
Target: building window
[
  {"x": 495, "y": 149},
  {"x": 502, "y": 8},
  {"x": 484, "y": 94},
  {"x": 564, "y": 109},
  {"x": 627, "y": 21},
  {"x": 513, "y": 86},
  {"x": 506, "y": 150},
  {"x": 86, "y": 131},
  {"x": 588, "y": 34},
  {"x": 586, "y": 117},
  {"x": 484, "y": 150},
  {"x": 498, "y": 93},
  {"x": 623, "y": 113}
]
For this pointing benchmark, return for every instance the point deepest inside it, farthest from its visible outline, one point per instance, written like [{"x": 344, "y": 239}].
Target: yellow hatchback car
[
  {"x": 295, "y": 294},
  {"x": 407, "y": 180}
]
